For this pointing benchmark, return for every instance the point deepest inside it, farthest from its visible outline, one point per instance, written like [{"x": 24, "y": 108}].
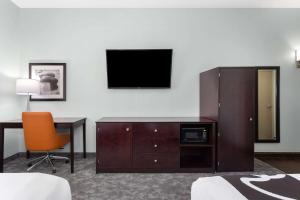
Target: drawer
[
  {"x": 156, "y": 161},
  {"x": 158, "y": 129},
  {"x": 153, "y": 145},
  {"x": 156, "y": 138}
]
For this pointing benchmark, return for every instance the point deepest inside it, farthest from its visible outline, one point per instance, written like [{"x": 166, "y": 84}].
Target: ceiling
[{"x": 157, "y": 3}]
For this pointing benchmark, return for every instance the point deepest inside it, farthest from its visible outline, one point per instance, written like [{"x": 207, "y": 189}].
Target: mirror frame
[{"x": 277, "y": 140}]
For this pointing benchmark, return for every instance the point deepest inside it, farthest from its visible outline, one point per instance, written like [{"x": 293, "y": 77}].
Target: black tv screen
[{"x": 139, "y": 68}]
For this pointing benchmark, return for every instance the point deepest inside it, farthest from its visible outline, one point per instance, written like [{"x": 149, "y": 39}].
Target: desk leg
[
  {"x": 84, "y": 139},
  {"x": 72, "y": 148},
  {"x": 27, "y": 154},
  {"x": 1, "y": 148}
]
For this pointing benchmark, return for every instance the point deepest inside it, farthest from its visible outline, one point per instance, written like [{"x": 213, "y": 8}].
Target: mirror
[{"x": 267, "y": 126}]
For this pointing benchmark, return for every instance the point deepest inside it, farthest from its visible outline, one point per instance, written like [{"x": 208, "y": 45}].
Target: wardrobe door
[
  {"x": 209, "y": 94},
  {"x": 236, "y": 119}
]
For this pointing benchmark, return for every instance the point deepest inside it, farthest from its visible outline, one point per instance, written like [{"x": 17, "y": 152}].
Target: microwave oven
[{"x": 193, "y": 135}]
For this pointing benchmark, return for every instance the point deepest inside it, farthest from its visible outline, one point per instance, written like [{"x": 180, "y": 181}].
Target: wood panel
[
  {"x": 209, "y": 94},
  {"x": 236, "y": 123},
  {"x": 114, "y": 145}
]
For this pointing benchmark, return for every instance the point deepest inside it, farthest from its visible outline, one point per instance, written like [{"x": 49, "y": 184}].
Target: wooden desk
[{"x": 64, "y": 123}]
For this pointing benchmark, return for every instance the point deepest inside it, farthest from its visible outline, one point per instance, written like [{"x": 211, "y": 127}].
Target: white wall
[
  {"x": 201, "y": 39},
  {"x": 9, "y": 71}
]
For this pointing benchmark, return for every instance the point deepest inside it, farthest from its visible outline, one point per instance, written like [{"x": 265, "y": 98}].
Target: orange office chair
[{"x": 40, "y": 136}]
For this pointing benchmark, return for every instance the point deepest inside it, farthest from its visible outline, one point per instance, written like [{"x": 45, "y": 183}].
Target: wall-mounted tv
[{"x": 139, "y": 68}]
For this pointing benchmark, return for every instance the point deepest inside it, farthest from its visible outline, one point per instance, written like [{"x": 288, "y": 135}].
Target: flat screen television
[{"x": 139, "y": 68}]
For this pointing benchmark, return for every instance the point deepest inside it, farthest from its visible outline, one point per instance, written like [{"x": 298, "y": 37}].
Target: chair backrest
[{"x": 39, "y": 130}]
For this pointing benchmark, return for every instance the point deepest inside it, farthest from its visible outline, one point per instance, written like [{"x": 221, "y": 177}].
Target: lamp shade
[{"x": 27, "y": 87}]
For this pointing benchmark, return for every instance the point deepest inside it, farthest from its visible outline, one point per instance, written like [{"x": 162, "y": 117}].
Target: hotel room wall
[
  {"x": 201, "y": 39},
  {"x": 10, "y": 103}
]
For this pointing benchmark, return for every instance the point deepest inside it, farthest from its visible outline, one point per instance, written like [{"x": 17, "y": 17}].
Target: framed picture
[{"x": 52, "y": 78}]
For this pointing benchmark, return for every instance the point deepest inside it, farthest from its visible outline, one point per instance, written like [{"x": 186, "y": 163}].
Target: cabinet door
[
  {"x": 235, "y": 148},
  {"x": 114, "y": 145}
]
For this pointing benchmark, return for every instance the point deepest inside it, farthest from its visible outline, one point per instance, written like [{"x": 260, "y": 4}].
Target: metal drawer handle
[
  {"x": 155, "y": 130},
  {"x": 155, "y": 161},
  {"x": 155, "y": 146},
  {"x": 127, "y": 129}
]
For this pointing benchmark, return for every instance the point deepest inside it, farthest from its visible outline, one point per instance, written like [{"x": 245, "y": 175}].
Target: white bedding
[
  {"x": 213, "y": 188},
  {"x": 33, "y": 186},
  {"x": 216, "y": 187}
]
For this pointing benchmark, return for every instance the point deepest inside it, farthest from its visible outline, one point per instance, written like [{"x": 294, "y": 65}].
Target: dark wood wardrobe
[{"x": 228, "y": 96}]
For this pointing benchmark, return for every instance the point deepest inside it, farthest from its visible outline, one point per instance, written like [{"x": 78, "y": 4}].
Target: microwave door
[{"x": 194, "y": 135}]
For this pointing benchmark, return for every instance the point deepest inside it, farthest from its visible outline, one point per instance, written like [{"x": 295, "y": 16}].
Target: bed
[
  {"x": 256, "y": 187},
  {"x": 33, "y": 186}
]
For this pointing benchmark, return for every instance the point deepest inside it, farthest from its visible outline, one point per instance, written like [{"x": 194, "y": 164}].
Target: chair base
[{"x": 48, "y": 158}]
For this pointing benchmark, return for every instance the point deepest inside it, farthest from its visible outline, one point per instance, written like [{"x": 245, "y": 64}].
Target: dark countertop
[{"x": 154, "y": 119}]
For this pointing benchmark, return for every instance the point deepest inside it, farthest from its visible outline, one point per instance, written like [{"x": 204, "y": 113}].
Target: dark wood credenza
[{"x": 152, "y": 145}]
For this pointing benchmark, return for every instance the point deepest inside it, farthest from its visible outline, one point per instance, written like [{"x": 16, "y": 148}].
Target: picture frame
[{"x": 52, "y": 78}]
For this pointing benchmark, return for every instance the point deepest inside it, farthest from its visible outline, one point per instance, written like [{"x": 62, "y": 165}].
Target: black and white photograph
[{"x": 52, "y": 78}]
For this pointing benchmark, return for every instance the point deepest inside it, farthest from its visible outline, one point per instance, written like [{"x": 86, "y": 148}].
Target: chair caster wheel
[
  {"x": 67, "y": 161},
  {"x": 54, "y": 171}
]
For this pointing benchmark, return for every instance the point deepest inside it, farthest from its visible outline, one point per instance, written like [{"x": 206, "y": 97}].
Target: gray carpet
[{"x": 87, "y": 185}]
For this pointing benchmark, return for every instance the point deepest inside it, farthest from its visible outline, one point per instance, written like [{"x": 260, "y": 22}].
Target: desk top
[
  {"x": 62, "y": 121},
  {"x": 154, "y": 119},
  {"x": 56, "y": 120}
]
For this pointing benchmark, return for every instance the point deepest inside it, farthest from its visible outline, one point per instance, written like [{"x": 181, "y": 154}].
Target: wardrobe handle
[
  {"x": 250, "y": 119},
  {"x": 127, "y": 129}
]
